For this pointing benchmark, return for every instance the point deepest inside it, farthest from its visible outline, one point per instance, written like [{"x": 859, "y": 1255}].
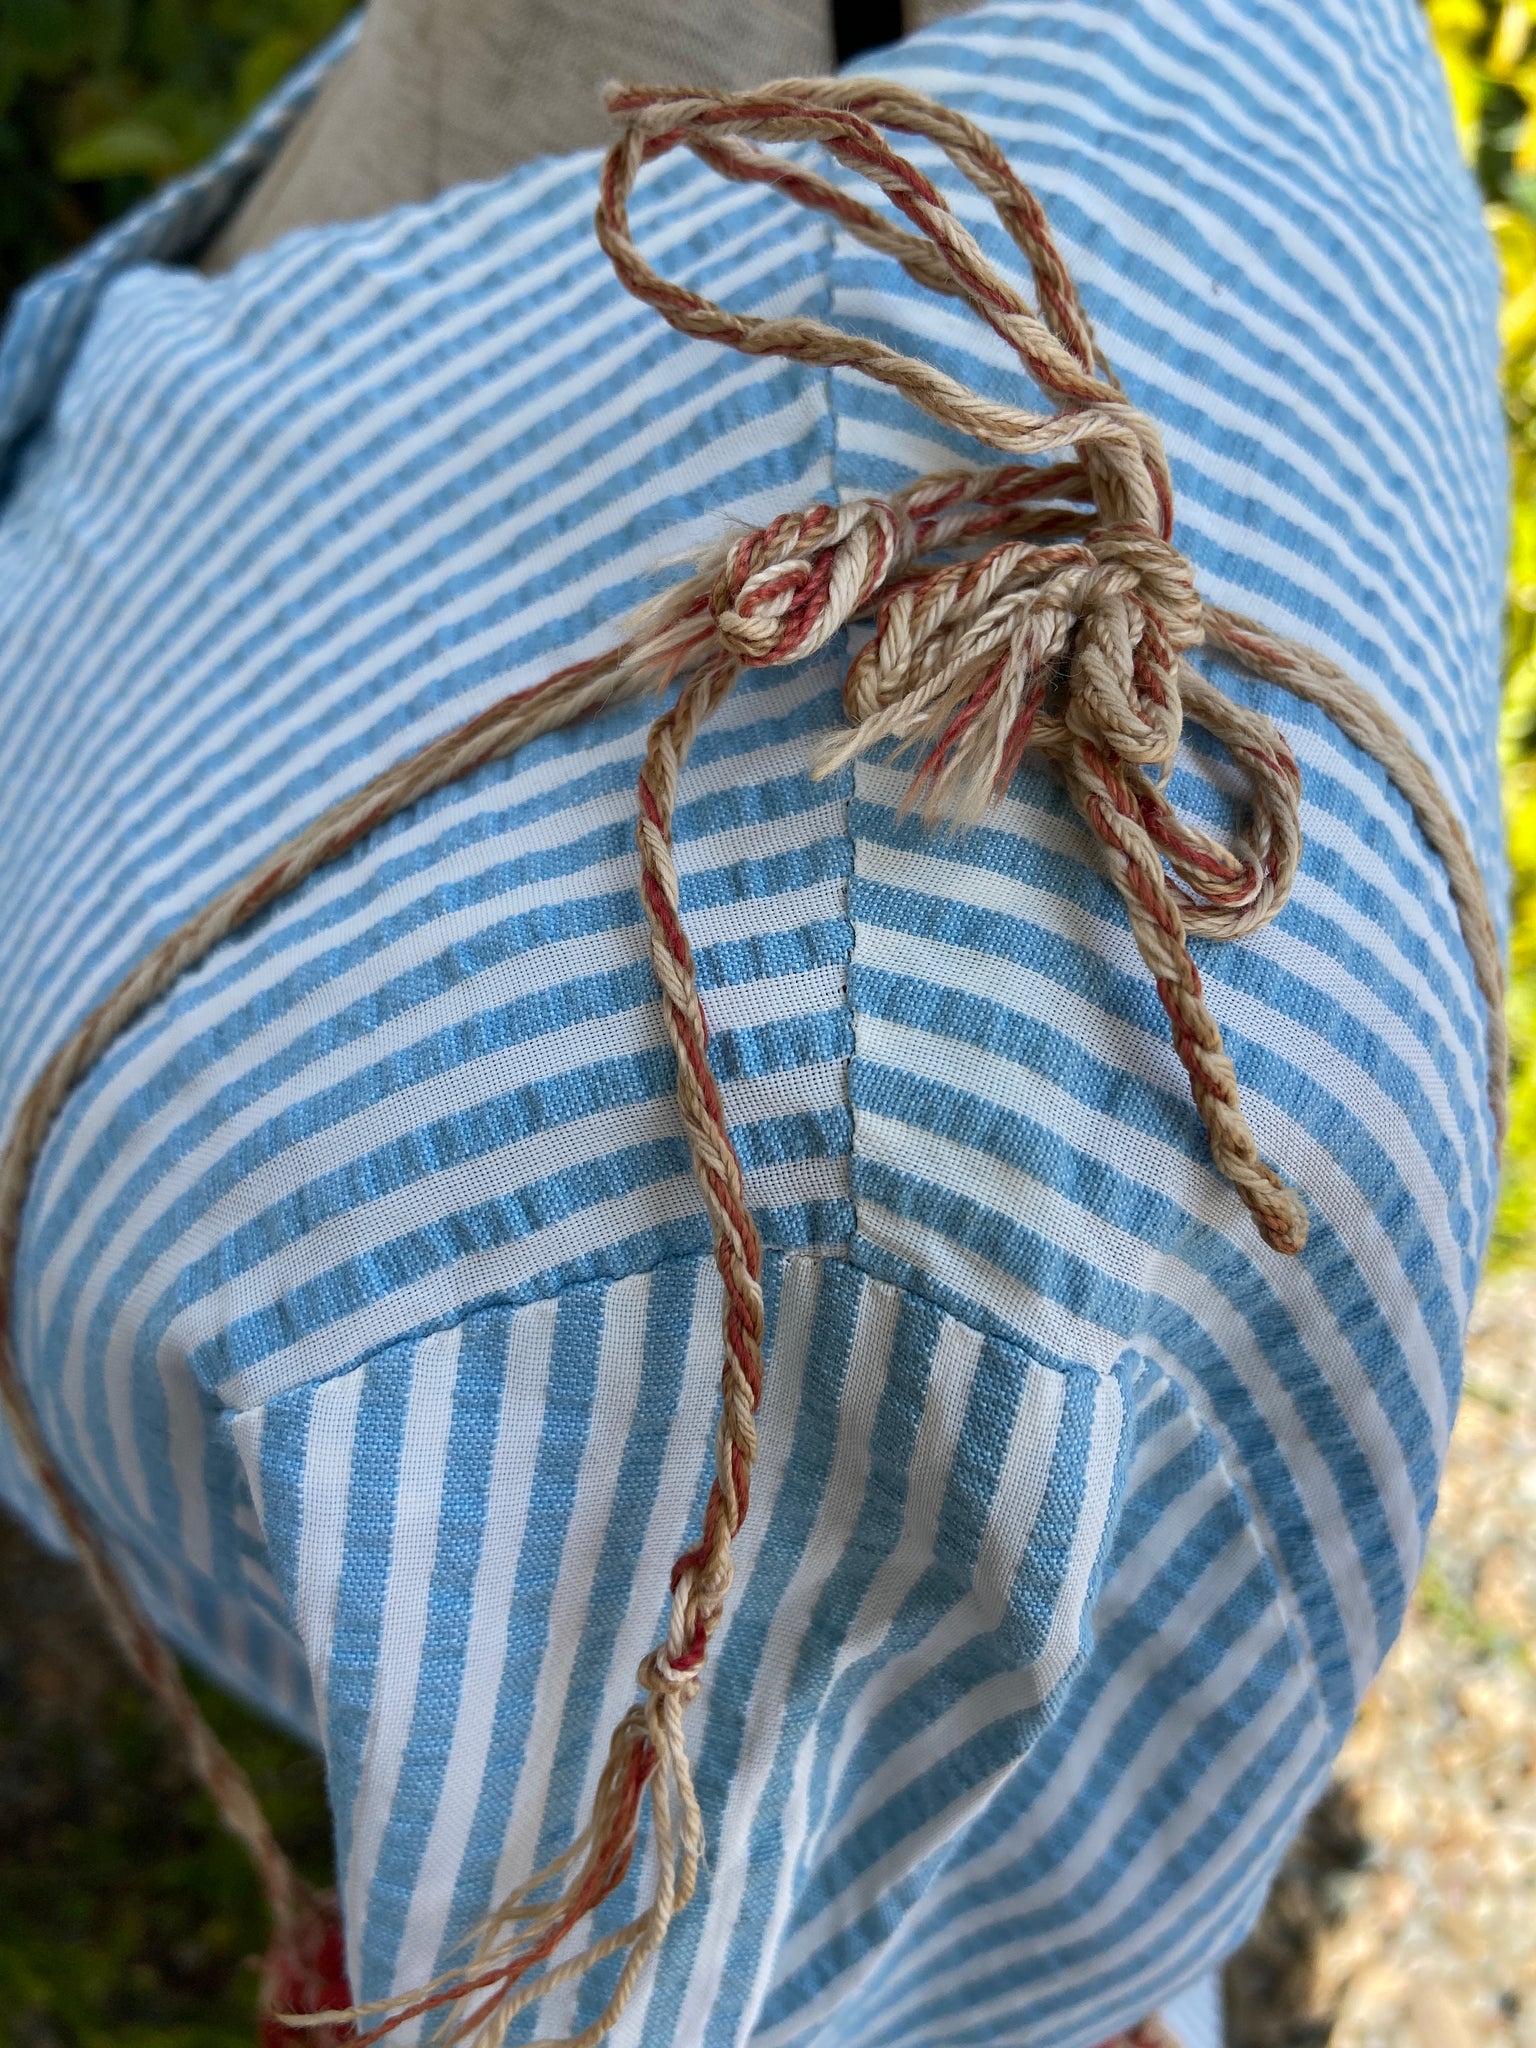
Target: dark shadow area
[
  {"x": 127, "y": 1917},
  {"x": 860, "y": 25},
  {"x": 1270, "y": 1985}
]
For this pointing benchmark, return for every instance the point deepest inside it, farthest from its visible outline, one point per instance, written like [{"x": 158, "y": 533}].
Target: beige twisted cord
[{"x": 1038, "y": 605}]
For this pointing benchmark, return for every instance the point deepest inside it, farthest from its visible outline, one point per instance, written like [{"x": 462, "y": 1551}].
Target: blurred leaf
[
  {"x": 266, "y": 64},
  {"x": 1460, "y": 29},
  {"x": 1490, "y": 67},
  {"x": 1510, "y": 39},
  {"x": 119, "y": 150}
]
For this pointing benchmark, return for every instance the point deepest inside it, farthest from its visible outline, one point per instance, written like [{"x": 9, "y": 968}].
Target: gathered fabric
[{"x": 1037, "y": 606}]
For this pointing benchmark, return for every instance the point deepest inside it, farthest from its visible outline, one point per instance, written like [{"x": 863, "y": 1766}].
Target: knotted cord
[{"x": 1038, "y": 605}]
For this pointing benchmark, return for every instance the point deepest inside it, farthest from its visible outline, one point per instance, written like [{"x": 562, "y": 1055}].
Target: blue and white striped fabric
[{"x": 364, "y": 1289}]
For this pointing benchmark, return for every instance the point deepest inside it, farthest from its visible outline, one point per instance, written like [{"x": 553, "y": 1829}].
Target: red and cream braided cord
[{"x": 1037, "y": 605}]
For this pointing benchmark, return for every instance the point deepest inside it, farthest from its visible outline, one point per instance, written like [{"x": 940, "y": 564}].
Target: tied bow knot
[
  {"x": 1026, "y": 645},
  {"x": 1008, "y": 616},
  {"x": 1120, "y": 601},
  {"x": 1039, "y": 605}
]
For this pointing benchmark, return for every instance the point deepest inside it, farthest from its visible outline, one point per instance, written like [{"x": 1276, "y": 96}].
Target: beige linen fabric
[{"x": 438, "y": 92}]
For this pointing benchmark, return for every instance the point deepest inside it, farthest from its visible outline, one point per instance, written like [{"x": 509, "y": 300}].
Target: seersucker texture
[{"x": 365, "y": 1292}]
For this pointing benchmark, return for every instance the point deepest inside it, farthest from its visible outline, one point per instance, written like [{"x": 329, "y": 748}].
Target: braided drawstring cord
[{"x": 1039, "y": 605}]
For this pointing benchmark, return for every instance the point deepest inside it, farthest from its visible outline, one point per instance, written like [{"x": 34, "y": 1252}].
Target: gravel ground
[{"x": 1404, "y": 1918}]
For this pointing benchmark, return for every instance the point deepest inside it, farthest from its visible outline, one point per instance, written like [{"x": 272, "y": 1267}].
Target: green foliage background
[
  {"x": 100, "y": 100},
  {"x": 1489, "y": 48},
  {"x": 125, "y": 1915}
]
